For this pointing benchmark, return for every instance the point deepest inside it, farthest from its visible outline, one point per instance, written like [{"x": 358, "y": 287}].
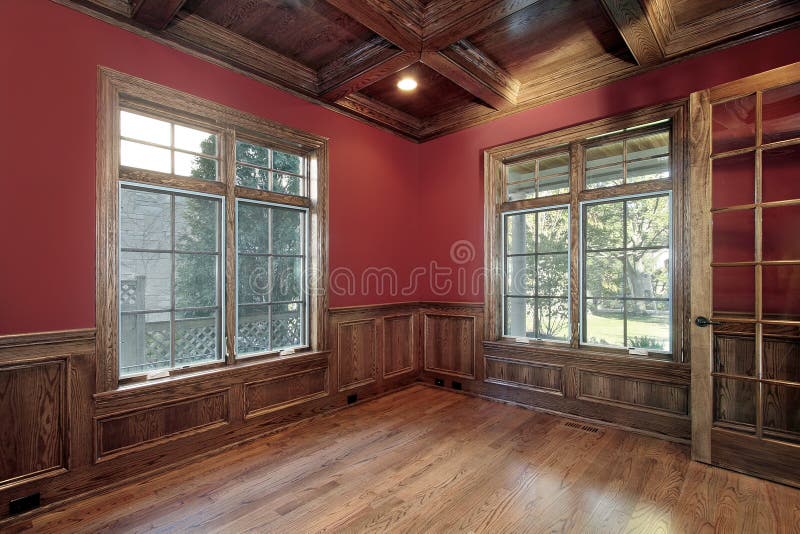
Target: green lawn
[{"x": 606, "y": 328}]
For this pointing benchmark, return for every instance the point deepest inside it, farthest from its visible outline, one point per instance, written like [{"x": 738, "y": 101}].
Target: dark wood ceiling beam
[
  {"x": 469, "y": 68},
  {"x": 397, "y": 21},
  {"x": 448, "y": 21},
  {"x": 380, "y": 112},
  {"x": 362, "y": 67},
  {"x": 635, "y": 29},
  {"x": 156, "y": 14}
]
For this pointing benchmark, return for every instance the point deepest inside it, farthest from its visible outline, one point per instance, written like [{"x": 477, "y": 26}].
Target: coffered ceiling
[{"x": 474, "y": 60}]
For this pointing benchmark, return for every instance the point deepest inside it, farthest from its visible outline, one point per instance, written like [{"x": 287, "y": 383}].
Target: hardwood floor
[{"x": 430, "y": 460}]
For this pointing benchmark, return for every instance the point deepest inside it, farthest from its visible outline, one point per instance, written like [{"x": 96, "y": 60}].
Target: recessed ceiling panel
[
  {"x": 434, "y": 93},
  {"x": 311, "y": 32},
  {"x": 548, "y": 36}
]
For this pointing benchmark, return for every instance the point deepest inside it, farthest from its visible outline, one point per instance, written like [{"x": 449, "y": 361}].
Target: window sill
[
  {"x": 585, "y": 354},
  {"x": 218, "y": 371}
]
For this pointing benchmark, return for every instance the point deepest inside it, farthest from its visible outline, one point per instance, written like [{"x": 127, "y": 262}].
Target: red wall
[
  {"x": 452, "y": 167},
  {"x": 48, "y": 60},
  {"x": 392, "y": 203}
]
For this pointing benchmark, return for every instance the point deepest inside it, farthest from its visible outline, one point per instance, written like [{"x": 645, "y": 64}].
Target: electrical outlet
[{"x": 438, "y": 382}]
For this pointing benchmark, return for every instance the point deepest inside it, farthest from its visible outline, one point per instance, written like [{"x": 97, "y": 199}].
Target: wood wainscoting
[
  {"x": 62, "y": 439},
  {"x": 647, "y": 395}
]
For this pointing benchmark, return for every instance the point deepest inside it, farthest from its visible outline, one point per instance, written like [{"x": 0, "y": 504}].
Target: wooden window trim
[
  {"x": 577, "y": 138},
  {"x": 116, "y": 89}
]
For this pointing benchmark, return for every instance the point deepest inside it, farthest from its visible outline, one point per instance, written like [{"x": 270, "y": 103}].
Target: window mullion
[
  {"x": 576, "y": 186},
  {"x": 228, "y": 176}
]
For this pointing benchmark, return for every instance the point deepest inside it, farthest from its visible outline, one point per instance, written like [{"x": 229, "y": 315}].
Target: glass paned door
[{"x": 746, "y": 286}]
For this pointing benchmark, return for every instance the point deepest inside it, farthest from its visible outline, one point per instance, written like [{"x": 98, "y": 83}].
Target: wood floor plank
[{"x": 430, "y": 460}]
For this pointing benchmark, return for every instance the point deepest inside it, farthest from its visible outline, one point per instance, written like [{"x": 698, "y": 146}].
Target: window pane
[
  {"x": 195, "y": 140},
  {"x": 151, "y": 275},
  {"x": 733, "y": 236},
  {"x": 733, "y": 124},
  {"x": 252, "y": 228},
  {"x": 524, "y": 170},
  {"x": 254, "y": 281},
  {"x": 782, "y": 113},
  {"x": 647, "y": 273},
  {"x": 253, "y": 331},
  {"x": 627, "y": 280},
  {"x": 287, "y": 325},
  {"x": 196, "y": 337},
  {"x": 553, "y": 230},
  {"x": 604, "y": 177},
  {"x": 552, "y": 273},
  {"x": 250, "y": 153},
  {"x": 521, "y": 190},
  {"x": 519, "y": 317},
  {"x": 145, "y": 157},
  {"x": 648, "y": 146},
  {"x": 604, "y": 225},
  {"x": 287, "y": 162},
  {"x": 196, "y": 280},
  {"x": 556, "y": 164},
  {"x": 288, "y": 231},
  {"x": 144, "y": 342},
  {"x": 252, "y": 177},
  {"x": 553, "y": 318},
  {"x": 195, "y": 166},
  {"x": 648, "y": 169},
  {"x": 553, "y": 185},
  {"x": 603, "y": 274},
  {"x": 603, "y": 155},
  {"x": 144, "y": 128},
  {"x": 287, "y": 279},
  {"x": 521, "y": 275},
  {"x": 542, "y": 273},
  {"x": 648, "y": 325},
  {"x": 538, "y": 177},
  {"x": 521, "y": 233},
  {"x": 145, "y": 219},
  {"x": 196, "y": 224},
  {"x": 648, "y": 222},
  {"x": 605, "y": 322},
  {"x": 287, "y": 184}
]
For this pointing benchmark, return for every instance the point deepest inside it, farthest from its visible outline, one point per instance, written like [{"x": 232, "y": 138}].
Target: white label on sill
[
  {"x": 287, "y": 352},
  {"x": 521, "y": 340},
  {"x": 163, "y": 373},
  {"x": 638, "y": 352}
]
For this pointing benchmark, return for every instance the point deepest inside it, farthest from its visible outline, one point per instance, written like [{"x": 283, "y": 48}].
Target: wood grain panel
[
  {"x": 157, "y": 423},
  {"x": 660, "y": 396},
  {"x": 524, "y": 374},
  {"x": 356, "y": 353},
  {"x": 449, "y": 344},
  {"x": 32, "y": 412},
  {"x": 267, "y": 396},
  {"x": 399, "y": 345}
]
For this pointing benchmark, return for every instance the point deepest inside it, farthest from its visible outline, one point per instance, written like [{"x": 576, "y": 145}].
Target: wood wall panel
[
  {"x": 32, "y": 412},
  {"x": 449, "y": 344},
  {"x": 356, "y": 353},
  {"x": 399, "y": 345},
  {"x": 157, "y": 423},
  {"x": 524, "y": 374},
  {"x": 640, "y": 393},
  {"x": 266, "y": 396}
]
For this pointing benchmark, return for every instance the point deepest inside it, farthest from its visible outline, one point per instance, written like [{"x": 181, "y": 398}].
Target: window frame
[
  {"x": 576, "y": 139},
  {"x": 118, "y": 91}
]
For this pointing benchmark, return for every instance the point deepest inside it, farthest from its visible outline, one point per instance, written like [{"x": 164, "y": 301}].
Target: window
[
  {"x": 584, "y": 238},
  {"x": 211, "y": 224}
]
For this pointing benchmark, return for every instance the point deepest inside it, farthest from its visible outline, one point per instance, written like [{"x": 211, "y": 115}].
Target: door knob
[{"x": 703, "y": 322}]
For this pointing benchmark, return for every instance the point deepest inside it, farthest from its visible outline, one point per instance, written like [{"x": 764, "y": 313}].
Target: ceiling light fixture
[{"x": 407, "y": 84}]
